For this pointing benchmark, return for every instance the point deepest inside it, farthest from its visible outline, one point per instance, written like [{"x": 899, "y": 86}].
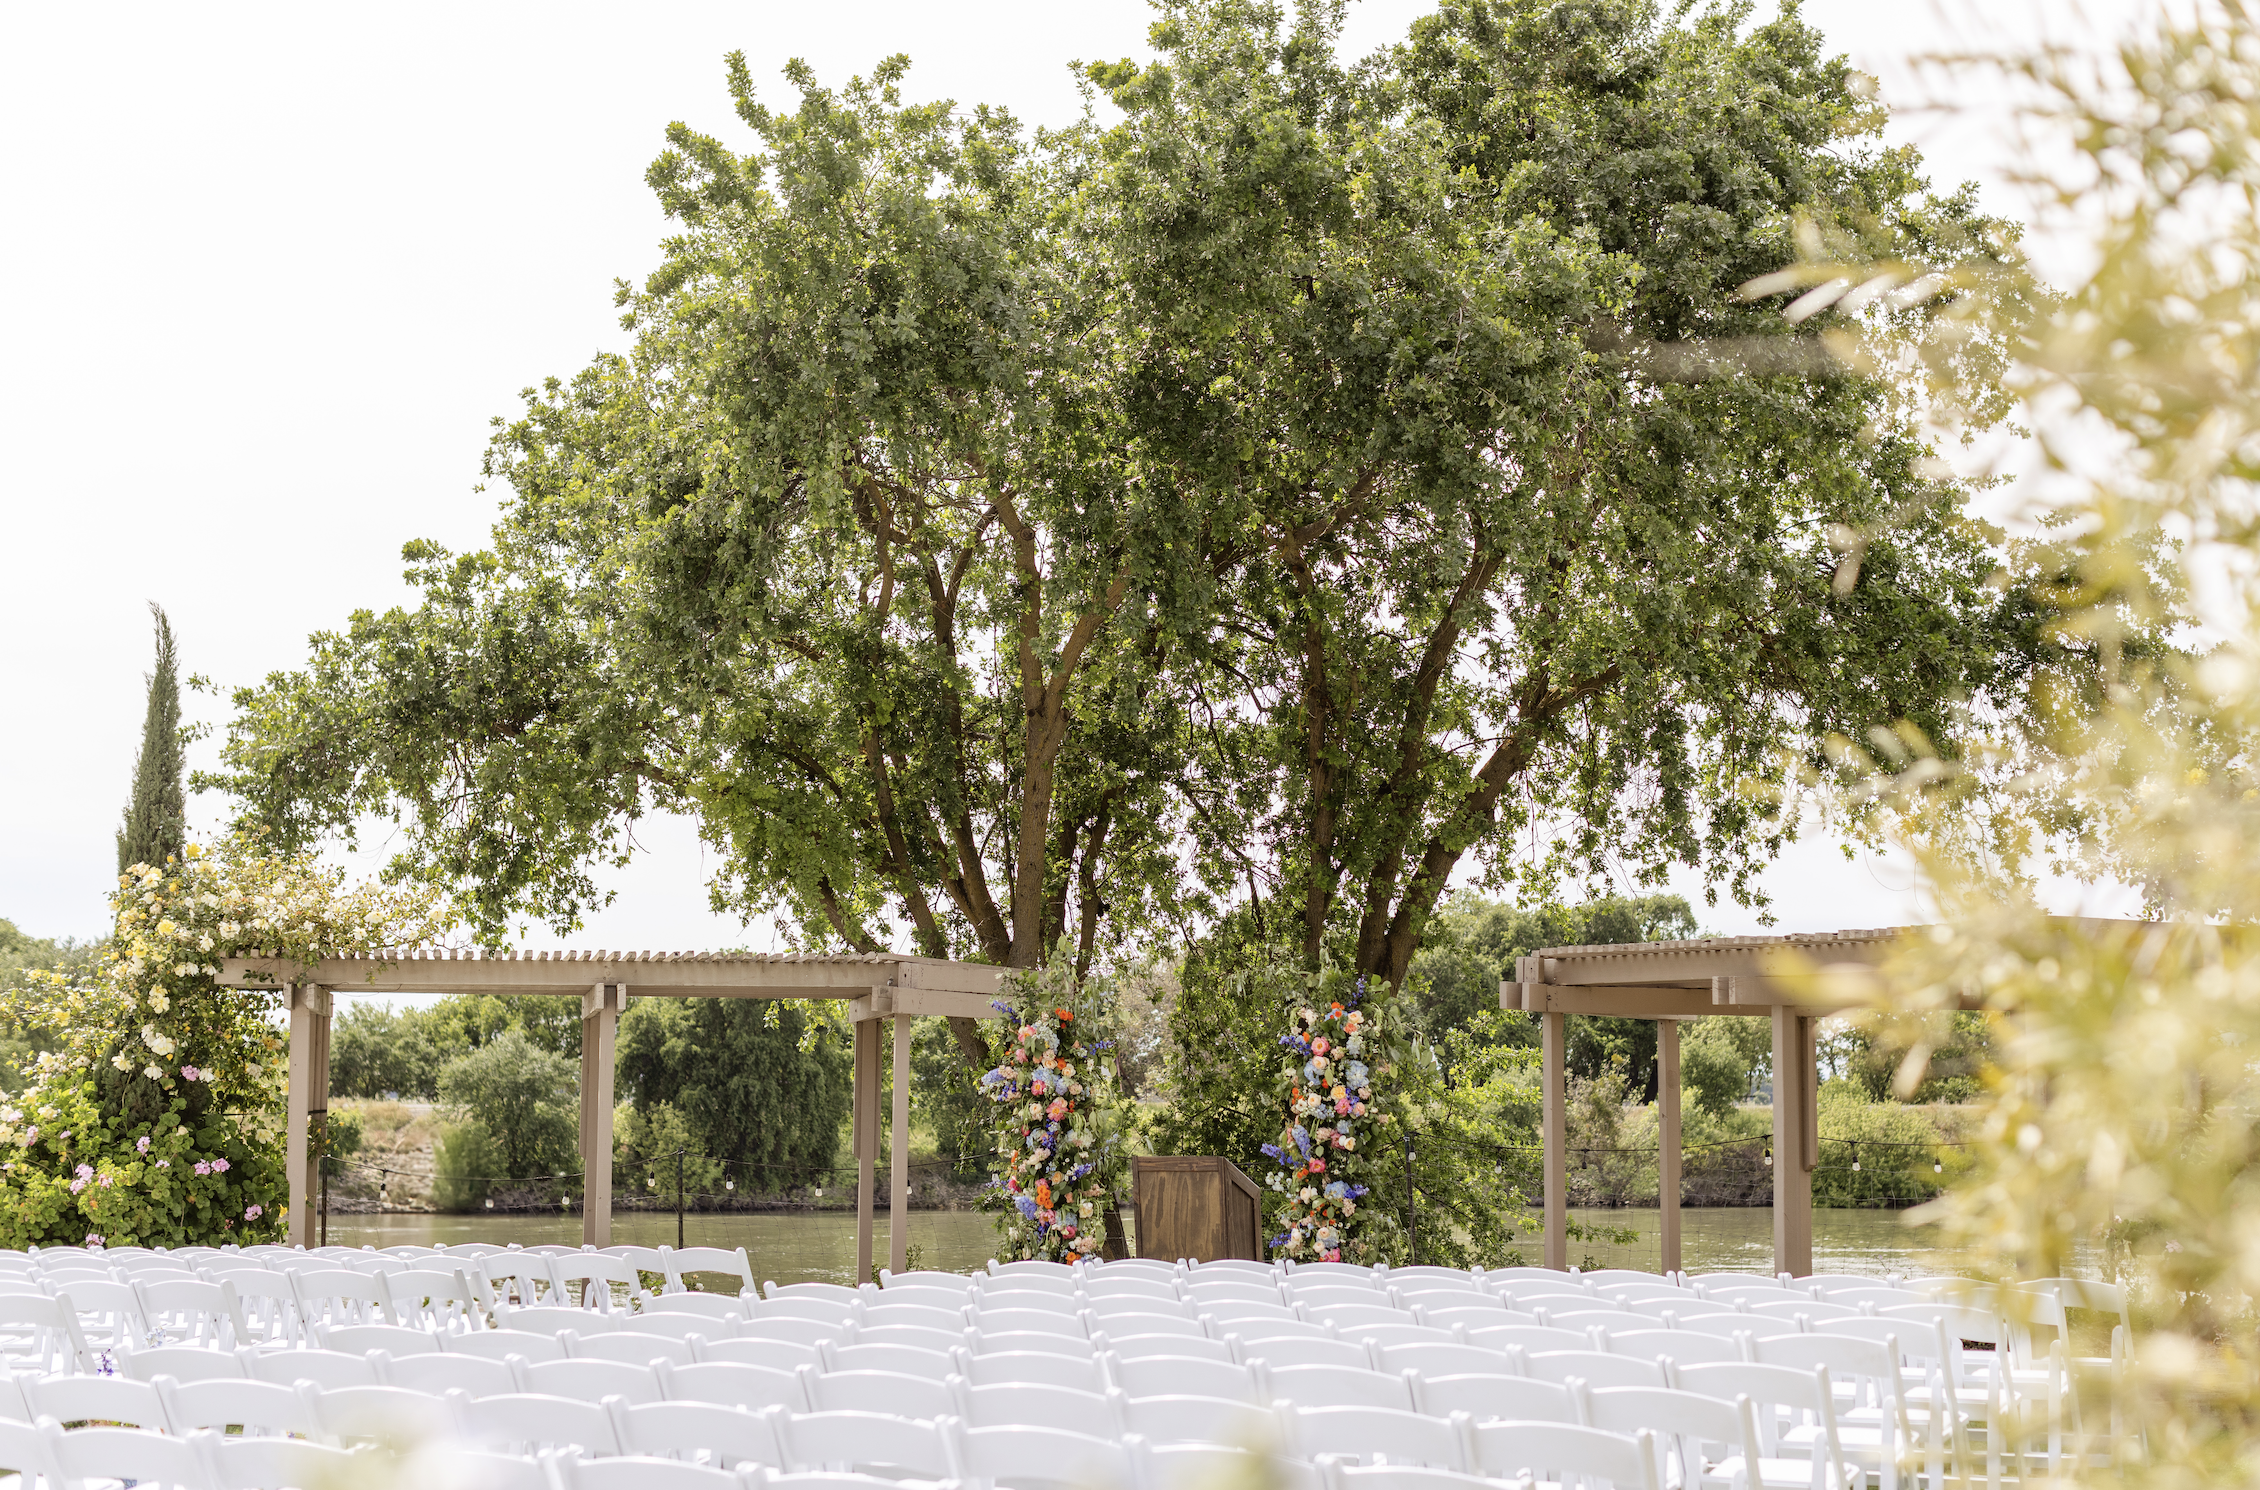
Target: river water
[{"x": 796, "y": 1247}]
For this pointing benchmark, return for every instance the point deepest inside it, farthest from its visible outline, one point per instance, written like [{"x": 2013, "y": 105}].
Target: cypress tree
[{"x": 156, "y": 824}]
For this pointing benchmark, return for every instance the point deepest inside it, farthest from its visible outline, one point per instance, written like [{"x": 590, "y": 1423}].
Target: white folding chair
[
  {"x": 1596, "y": 1368},
  {"x": 917, "y": 1336},
  {"x": 1168, "y": 1376},
  {"x": 439, "y": 1300},
  {"x": 254, "y": 1407},
  {"x": 573, "y": 1472},
  {"x": 906, "y": 1360},
  {"x": 1684, "y": 1425},
  {"x": 182, "y": 1363},
  {"x": 1197, "y": 1419},
  {"x": 778, "y": 1355},
  {"x": 721, "y": 1437},
  {"x": 874, "y": 1391},
  {"x": 1337, "y": 1272},
  {"x": 1032, "y": 1404},
  {"x": 1796, "y": 1416},
  {"x": 126, "y": 1454},
  {"x": 807, "y": 1332},
  {"x": 271, "y": 1463},
  {"x": 501, "y": 1344},
  {"x": 1437, "y": 1358},
  {"x": 50, "y": 1324},
  {"x": 94, "y": 1399},
  {"x": 1172, "y": 1464},
  {"x": 825, "y": 1313},
  {"x": 1872, "y": 1427},
  {"x": 529, "y": 1422},
  {"x": 1529, "y": 1338},
  {"x": 1022, "y": 1457},
  {"x": 713, "y": 1306},
  {"x": 924, "y": 1278},
  {"x": 835, "y": 1292},
  {"x": 1384, "y": 1335},
  {"x": 1155, "y": 1289},
  {"x": 340, "y": 1296},
  {"x": 513, "y": 1278},
  {"x": 1485, "y": 1397},
  {"x": 994, "y": 1321},
  {"x": 1028, "y": 1366},
  {"x": 360, "y": 1339},
  {"x": 632, "y": 1347},
  {"x": 901, "y": 1447},
  {"x": 588, "y": 1279},
  {"x": 326, "y": 1369},
  {"x": 268, "y": 1302},
  {"x": 1338, "y": 1386},
  {"x": 191, "y": 1310},
  {"x": 399, "y": 1420},
  {"x": 1558, "y": 1451},
  {"x": 1373, "y": 1435},
  {"x": 725, "y": 1384},
  {"x": 1303, "y": 1350},
  {"x": 23, "y": 1447},
  {"x": 589, "y": 1381},
  {"x": 729, "y": 1262},
  {"x": 437, "y": 1375},
  {"x": 1725, "y": 1326},
  {"x": 1141, "y": 1347},
  {"x": 913, "y": 1316},
  {"x": 550, "y": 1319},
  {"x": 1686, "y": 1347}
]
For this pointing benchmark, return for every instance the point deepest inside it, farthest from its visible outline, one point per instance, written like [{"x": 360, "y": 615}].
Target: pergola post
[
  {"x": 864, "y": 1103},
  {"x": 1795, "y": 1140},
  {"x": 898, "y": 1167},
  {"x": 1555, "y": 1114},
  {"x": 1667, "y": 1143},
  {"x": 309, "y": 1098},
  {"x": 600, "y": 1021}
]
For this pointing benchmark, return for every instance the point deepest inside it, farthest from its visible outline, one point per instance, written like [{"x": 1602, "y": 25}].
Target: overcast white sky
[{"x": 276, "y": 266}]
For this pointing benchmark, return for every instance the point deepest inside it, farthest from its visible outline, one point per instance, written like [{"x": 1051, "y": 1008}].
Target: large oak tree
[{"x": 998, "y": 538}]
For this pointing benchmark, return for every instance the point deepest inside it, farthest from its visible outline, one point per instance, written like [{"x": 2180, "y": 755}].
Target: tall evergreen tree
[{"x": 156, "y": 824}]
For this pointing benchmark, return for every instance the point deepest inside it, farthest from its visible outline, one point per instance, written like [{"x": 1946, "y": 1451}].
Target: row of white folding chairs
[
  {"x": 206, "y": 1460},
  {"x": 998, "y": 1434}
]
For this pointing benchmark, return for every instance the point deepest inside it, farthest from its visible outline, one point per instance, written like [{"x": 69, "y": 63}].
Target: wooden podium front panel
[{"x": 1197, "y": 1207}]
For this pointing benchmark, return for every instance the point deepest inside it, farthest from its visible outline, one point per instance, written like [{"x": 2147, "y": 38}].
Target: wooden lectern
[{"x": 1197, "y": 1207}]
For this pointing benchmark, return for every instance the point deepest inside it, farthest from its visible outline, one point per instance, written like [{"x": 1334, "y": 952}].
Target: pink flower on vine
[
  {"x": 252, "y": 1213},
  {"x": 94, "y": 1239},
  {"x": 190, "y": 1073},
  {"x": 219, "y": 1166},
  {"x": 202, "y": 1167},
  {"x": 141, "y": 1144},
  {"x": 164, "y": 1163}
]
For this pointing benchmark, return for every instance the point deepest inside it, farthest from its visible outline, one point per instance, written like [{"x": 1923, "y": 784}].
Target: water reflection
[{"x": 796, "y": 1247}]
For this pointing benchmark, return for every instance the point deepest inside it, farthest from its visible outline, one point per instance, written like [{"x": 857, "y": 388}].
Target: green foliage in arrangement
[
  {"x": 158, "y": 1116},
  {"x": 761, "y": 1083},
  {"x": 1235, "y": 994},
  {"x": 156, "y": 820}
]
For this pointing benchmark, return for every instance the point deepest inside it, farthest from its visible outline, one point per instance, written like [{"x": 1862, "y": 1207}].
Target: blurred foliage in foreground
[{"x": 2122, "y": 1121}]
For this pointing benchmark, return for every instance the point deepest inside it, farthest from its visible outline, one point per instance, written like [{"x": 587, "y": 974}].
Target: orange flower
[
  {"x": 1064, "y": 1015},
  {"x": 1044, "y": 1194}
]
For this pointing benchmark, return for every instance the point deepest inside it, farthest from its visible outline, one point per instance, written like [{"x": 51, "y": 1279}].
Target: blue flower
[
  {"x": 1000, "y": 1006},
  {"x": 1336, "y": 1190},
  {"x": 1356, "y": 1192},
  {"x": 1302, "y": 1139},
  {"x": 1026, "y": 1207},
  {"x": 1276, "y": 1152}
]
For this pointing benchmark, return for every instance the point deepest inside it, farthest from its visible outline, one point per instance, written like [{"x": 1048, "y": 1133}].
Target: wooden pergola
[
  {"x": 1792, "y": 980},
  {"x": 877, "y": 986}
]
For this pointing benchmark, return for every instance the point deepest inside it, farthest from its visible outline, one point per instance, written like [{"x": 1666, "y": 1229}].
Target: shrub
[
  {"x": 467, "y": 1165},
  {"x": 158, "y": 1118},
  {"x": 761, "y": 1083},
  {"x": 524, "y": 1097}
]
